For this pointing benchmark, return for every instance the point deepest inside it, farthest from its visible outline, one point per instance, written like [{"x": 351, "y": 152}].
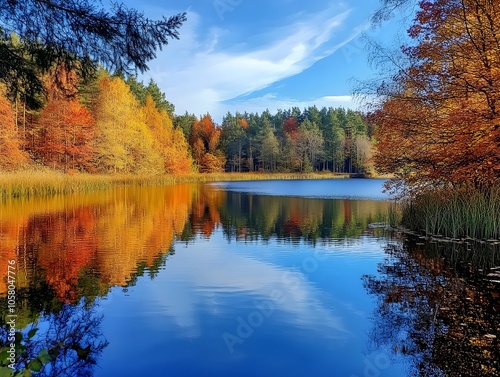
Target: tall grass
[
  {"x": 46, "y": 182},
  {"x": 393, "y": 218},
  {"x": 456, "y": 213}
]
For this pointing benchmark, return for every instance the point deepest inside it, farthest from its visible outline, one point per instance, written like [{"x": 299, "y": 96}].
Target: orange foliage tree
[
  {"x": 205, "y": 215},
  {"x": 65, "y": 135},
  {"x": 439, "y": 123},
  {"x": 11, "y": 155},
  {"x": 61, "y": 83},
  {"x": 204, "y": 140}
]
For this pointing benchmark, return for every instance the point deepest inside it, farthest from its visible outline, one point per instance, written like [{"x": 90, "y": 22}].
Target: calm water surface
[
  {"x": 272, "y": 278},
  {"x": 371, "y": 189}
]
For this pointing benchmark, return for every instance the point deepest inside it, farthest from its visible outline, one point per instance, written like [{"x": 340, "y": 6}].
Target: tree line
[
  {"x": 293, "y": 140},
  {"x": 114, "y": 124}
]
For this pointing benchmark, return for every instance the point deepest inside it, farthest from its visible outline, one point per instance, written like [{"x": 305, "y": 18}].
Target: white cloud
[{"x": 197, "y": 74}]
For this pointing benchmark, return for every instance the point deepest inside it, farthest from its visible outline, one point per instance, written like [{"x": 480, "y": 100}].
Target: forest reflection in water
[
  {"x": 437, "y": 305},
  {"x": 81, "y": 246},
  {"x": 72, "y": 250}
]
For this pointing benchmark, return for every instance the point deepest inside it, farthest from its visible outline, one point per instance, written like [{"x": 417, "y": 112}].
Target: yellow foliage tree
[
  {"x": 168, "y": 142},
  {"x": 125, "y": 144}
]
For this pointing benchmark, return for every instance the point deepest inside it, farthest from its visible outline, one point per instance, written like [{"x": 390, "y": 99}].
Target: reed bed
[
  {"x": 215, "y": 177},
  {"x": 455, "y": 213},
  {"x": 48, "y": 183},
  {"x": 30, "y": 183}
]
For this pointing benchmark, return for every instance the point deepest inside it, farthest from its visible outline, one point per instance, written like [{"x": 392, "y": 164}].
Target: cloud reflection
[{"x": 216, "y": 280}]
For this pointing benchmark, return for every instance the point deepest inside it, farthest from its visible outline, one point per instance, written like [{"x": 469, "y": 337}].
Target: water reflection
[
  {"x": 67, "y": 342},
  {"x": 91, "y": 242},
  {"x": 249, "y": 217},
  {"x": 72, "y": 250},
  {"x": 216, "y": 277},
  {"x": 437, "y": 305},
  {"x": 371, "y": 189},
  {"x": 100, "y": 240}
]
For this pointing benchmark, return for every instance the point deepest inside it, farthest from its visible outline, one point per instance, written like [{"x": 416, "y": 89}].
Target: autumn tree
[
  {"x": 68, "y": 246},
  {"x": 124, "y": 143},
  {"x": 167, "y": 141},
  {"x": 11, "y": 154},
  {"x": 61, "y": 83},
  {"x": 65, "y": 135},
  {"x": 291, "y": 127},
  {"x": 204, "y": 141},
  {"x": 439, "y": 123}
]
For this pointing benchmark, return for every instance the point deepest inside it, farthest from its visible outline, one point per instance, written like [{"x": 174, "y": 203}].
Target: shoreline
[{"x": 44, "y": 183}]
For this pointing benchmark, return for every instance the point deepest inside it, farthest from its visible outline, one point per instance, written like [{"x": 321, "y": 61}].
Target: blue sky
[{"x": 243, "y": 55}]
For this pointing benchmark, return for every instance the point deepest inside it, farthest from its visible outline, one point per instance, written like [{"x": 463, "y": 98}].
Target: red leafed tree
[
  {"x": 66, "y": 132},
  {"x": 11, "y": 155},
  {"x": 291, "y": 127},
  {"x": 61, "y": 83}
]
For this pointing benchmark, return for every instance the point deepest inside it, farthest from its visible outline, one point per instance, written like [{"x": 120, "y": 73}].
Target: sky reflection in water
[{"x": 194, "y": 280}]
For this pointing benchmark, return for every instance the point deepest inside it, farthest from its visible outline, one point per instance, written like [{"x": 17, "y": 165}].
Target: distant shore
[{"x": 30, "y": 183}]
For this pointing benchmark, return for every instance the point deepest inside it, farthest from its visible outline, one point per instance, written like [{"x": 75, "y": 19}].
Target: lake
[{"x": 261, "y": 278}]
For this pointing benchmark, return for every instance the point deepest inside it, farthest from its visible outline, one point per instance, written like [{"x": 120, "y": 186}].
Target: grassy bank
[
  {"x": 458, "y": 214},
  {"x": 47, "y": 182}
]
